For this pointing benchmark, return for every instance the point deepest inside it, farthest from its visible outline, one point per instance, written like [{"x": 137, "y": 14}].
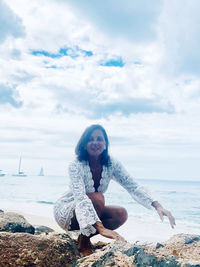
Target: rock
[
  {"x": 14, "y": 222},
  {"x": 23, "y": 249},
  {"x": 49, "y": 249},
  {"x": 143, "y": 259},
  {"x": 177, "y": 251},
  {"x": 173, "y": 253},
  {"x": 1, "y": 210},
  {"x": 39, "y": 229},
  {"x": 110, "y": 255},
  {"x": 159, "y": 245},
  {"x": 191, "y": 240}
]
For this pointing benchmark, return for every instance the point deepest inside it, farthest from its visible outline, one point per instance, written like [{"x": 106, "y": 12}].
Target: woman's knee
[{"x": 123, "y": 215}]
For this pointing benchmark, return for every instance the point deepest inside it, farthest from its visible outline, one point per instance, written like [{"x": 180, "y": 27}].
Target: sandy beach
[
  {"x": 50, "y": 222},
  {"x": 133, "y": 231}
]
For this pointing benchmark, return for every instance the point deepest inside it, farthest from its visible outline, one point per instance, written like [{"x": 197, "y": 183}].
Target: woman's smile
[{"x": 96, "y": 144}]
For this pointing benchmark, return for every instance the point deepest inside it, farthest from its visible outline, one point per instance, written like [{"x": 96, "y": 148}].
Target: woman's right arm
[{"x": 85, "y": 212}]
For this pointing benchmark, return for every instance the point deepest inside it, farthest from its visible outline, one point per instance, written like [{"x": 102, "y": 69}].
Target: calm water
[{"x": 37, "y": 194}]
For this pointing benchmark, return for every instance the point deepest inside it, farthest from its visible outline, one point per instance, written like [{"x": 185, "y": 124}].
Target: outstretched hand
[
  {"x": 163, "y": 212},
  {"x": 111, "y": 234},
  {"x": 107, "y": 232}
]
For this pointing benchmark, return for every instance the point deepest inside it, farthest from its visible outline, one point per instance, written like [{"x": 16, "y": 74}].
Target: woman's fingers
[
  {"x": 171, "y": 220},
  {"x": 119, "y": 237},
  {"x": 111, "y": 234},
  {"x": 162, "y": 212}
]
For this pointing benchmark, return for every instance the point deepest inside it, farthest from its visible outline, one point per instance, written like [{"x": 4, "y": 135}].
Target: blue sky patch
[
  {"x": 113, "y": 63},
  {"x": 65, "y": 51},
  {"x": 45, "y": 53}
]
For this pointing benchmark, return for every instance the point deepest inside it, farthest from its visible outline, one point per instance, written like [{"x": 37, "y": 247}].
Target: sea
[{"x": 36, "y": 195}]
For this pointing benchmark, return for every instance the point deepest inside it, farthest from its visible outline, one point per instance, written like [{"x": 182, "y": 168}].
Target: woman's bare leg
[{"x": 112, "y": 217}]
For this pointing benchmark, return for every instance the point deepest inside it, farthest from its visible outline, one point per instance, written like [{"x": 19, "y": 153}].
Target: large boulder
[
  {"x": 14, "y": 222},
  {"x": 179, "y": 251},
  {"x": 45, "y": 250}
]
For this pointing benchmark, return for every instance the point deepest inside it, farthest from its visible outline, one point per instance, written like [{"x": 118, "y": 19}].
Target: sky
[{"x": 131, "y": 66}]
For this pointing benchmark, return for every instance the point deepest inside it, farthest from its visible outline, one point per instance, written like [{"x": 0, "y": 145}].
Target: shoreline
[
  {"x": 134, "y": 230},
  {"x": 50, "y": 222}
]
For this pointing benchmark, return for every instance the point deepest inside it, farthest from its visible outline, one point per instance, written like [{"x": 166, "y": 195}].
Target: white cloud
[
  {"x": 150, "y": 114},
  {"x": 180, "y": 36},
  {"x": 11, "y": 24},
  {"x": 132, "y": 20},
  {"x": 8, "y": 95}
]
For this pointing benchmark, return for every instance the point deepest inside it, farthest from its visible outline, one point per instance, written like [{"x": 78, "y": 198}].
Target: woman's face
[{"x": 96, "y": 144}]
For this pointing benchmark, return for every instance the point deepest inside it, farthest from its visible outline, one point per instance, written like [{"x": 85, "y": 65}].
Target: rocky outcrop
[
  {"x": 182, "y": 248},
  {"x": 23, "y": 249},
  {"x": 180, "y": 251},
  {"x": 49, "y": 249},
  {"x": 14, "y": 222},
  {"x": 53, "y": 249}
]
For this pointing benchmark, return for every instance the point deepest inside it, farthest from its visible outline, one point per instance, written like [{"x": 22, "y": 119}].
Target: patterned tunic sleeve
[
  {"x": 84, "y": 209},
  {"x": 137, "y": 192}
]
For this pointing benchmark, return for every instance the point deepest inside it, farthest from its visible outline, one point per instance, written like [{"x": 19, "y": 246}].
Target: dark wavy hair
[{"x": 81, "y": 152}]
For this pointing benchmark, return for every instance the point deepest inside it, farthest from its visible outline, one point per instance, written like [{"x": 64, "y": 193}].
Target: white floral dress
[{"x": 81, "y": 184}]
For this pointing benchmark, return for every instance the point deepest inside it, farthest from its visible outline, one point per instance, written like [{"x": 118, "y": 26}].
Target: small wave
[
  {"x": 172, "y": 192},
  {"x": 198, "y": 208},
  {"x": 45, "y": 202}
]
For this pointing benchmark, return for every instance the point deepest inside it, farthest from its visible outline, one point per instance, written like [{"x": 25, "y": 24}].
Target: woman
[{"x": 83, "y": 207}]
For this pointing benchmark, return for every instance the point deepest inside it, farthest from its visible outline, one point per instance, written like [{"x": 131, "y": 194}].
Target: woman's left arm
[
  {"x": 163, "y": 212},
  {"x": 139, "y": 193}
]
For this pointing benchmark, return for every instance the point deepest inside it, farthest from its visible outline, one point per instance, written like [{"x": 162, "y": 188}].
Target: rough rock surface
[
  {"x": 39, "y": 229},
  {"x": 184, "y": 248},
  {"x": 45, "y": 250},
  {"x": 110, "y": 255},
  {"x": 176, "y": 252},
  {"x": 14, "y": 222},
  {"x": 50, "y": 249}
]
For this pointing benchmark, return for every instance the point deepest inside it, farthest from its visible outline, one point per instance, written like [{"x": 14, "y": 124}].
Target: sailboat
[
  {"x": 41, "y": 173},
  {"x": 20, "y": 173},
  {"x": 2, "y": 174}
]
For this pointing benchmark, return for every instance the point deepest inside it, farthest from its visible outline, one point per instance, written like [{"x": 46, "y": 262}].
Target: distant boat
[
  {"x": 20, "y": 173},
  {"x": 41, "y": 172},
  {"x": 2, "y": 174}
]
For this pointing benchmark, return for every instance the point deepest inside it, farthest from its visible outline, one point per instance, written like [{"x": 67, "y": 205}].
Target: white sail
[
  {"x": 20, "y": 173},
  {"x": 41, "y": 173}
]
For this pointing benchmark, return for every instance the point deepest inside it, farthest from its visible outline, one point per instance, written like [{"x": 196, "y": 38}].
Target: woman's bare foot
[{"x": 84, "y": 245}]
